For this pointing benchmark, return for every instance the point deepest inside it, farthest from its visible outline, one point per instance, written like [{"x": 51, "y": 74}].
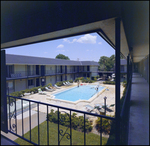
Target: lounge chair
[
  {"x": 49, "y": 89},
  {"x": 57, "y": 87},
  {"x": 67, "y": 84},
  {"x": 41, "y": 92},
  {"x": 89, "y": 108},
  {"x": 70, "y": 83},
  {"x": 27, "y": 94},
  {"x": 64, "y": 84},
  {"x": 103, "y": 106},
  {"x": 97, "y": 106}
]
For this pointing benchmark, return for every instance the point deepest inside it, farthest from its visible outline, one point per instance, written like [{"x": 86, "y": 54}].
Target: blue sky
[{"x": 85, "y": 47}]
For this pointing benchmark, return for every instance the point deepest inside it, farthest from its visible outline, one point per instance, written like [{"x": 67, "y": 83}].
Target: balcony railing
[
  {"x": 50, "y": 72},
  {"x": 63, "y": 123},
  {"x": 125, "y": 114},
  {"x": 70, "y": 71},
  {"x": 17, "y": 74},
  {"x": 20, "y": 74},
  {"x": 59, "y": 72}
]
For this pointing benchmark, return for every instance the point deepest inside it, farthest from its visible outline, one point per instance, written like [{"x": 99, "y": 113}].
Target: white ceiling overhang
[{"x": 107, "y": 26}]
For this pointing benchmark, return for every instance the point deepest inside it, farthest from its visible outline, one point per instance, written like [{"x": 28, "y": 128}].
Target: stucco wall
[
  {"x": 93, "y": 70},
  {"x": 50, "y": 68},
  {"x": 20, "y": 69},
  {"x": 48, "y": 80},
  {"x": 20, "y": 85},
  {"x": 69, "y": 77}
]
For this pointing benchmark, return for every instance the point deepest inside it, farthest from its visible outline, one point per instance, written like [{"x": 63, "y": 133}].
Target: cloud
[
  {"x": 66, "y": 40},
  {"x": 60, "y": 46},
  {"x": 100, "y": 43},
  {"x": 60, "y": 50},
  {"x": 87, "y": 50},
  {"x": 45, "y": 52},
  {"x": 86, "y": 39}
]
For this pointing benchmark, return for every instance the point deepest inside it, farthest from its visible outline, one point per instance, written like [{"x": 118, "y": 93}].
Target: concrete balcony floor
[{"x": 139, "y": 112}]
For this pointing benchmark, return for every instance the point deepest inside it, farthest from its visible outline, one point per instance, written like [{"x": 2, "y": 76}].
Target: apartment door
[
  {"x": 65, "y": 69},
  {"x": 37, "y": 82},
  {"x": 42, "y": 70},
  {"x": 61, "y": 69},
  {"x": 37, "y": 69},
  {"x": 88, "y": 68},
  {"x": 42, "y": 81}
]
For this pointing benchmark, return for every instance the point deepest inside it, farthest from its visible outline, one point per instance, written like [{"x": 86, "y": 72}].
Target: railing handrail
[
  {"x": 84, "y": 112},
  {"x": 125, "y": 99}
]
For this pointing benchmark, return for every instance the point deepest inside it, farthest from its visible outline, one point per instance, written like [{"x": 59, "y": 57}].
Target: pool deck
[
  {"x": 79, "y": 105},
  {"x": 110, "y": 94}
]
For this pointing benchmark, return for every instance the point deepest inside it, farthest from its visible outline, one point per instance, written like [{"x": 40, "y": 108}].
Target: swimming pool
[
  {"x": 19, "y": 106},
  {"x": 84, "y": 92}
]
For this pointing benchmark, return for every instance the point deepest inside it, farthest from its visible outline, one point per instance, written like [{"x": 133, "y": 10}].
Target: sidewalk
[
  {"x": 34, "y": 123},
  {"x": 139, "y": 112}
]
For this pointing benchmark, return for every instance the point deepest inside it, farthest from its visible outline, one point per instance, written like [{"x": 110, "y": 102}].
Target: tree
[
  {"x": 61, "y": 56},
  {"x": 106, "y": 63},
  {"x": 102, "y": 63}
]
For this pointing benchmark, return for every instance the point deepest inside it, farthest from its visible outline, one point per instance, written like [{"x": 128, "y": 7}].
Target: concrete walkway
[
  {"x": 34, "y": 123},
  {"x": 139, "y": 112}
]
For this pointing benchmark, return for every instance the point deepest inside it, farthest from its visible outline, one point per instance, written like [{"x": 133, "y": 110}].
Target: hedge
[
  {"x": 34, "y": 90},
  {"x": 109, "y": 82},
  {"x": 87, "y": 80}
]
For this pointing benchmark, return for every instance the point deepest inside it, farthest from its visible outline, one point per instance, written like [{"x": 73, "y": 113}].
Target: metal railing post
[
  {"x": 117, "y": 83},
  {"x": 127, "y": 70}
]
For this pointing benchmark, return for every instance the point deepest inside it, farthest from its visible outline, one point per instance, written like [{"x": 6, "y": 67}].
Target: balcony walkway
[{"x": 139, "y": 112}]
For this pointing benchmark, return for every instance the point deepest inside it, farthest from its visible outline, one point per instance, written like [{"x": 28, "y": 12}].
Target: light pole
[
  {"x": 105, "y": 103},
  {"x": 8, "y": 90}
]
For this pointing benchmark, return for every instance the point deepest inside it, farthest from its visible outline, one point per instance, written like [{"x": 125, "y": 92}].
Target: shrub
[
  {"x": 81, "y": 78},
  {"x": 27, "y": 90},
  {"x": 49, "y": 84},
  {"x": 76, "y": 80},
  {"x": 124, "y": 83},
  {"x": 109, "y": 82},
  {"x": 43, "y": 88},
  {"x": 90, "y": 81},
  {"x": 106, "y": 125},
  {"x": 95, "y": 79},
  {"x": 22, "y": 92},
  {"x": 17, "y": 94},
  {"x": 59, "y": 83},
  {"x": 77, "y": 122},
  {"x": 71, "y": 81}
]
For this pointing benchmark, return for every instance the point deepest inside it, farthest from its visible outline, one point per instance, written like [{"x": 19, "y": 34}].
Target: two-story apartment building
[{"x": 25, "y": 72}]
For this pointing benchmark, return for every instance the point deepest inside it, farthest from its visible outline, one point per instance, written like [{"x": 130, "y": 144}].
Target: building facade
[{"x": 25, "y": 72}]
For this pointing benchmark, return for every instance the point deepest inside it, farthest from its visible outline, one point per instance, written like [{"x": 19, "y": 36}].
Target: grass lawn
[{"x": 77, "y": 137}]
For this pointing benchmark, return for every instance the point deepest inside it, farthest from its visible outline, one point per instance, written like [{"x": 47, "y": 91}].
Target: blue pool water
[{"x": 84, "y": 92}]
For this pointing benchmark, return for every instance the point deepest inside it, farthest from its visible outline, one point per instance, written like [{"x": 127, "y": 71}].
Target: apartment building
[{"x": 25, "y": 72}]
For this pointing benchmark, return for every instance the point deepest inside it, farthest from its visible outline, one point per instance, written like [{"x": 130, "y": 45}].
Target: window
[
  {"x": 122, "y": 68},
  {"x": 9, "y": 70},
  {"x": 50, "y": 79},
  {"x": 30, "y": 82}
]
